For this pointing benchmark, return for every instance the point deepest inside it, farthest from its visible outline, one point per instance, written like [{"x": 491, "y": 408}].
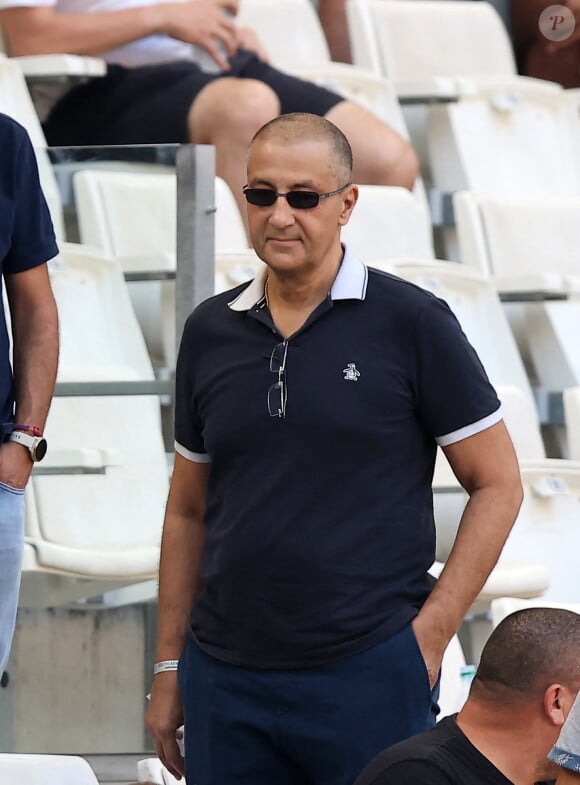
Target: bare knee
[
  {"x": 381, "y": 155},
  {"x": 231, "y": 107}
]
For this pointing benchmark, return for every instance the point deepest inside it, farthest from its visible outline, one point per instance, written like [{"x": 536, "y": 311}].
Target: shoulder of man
[{"x": 410, "y": 772}]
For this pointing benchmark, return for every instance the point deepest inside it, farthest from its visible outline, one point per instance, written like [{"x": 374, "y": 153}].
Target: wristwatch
[{"x": 36, "y": 445}]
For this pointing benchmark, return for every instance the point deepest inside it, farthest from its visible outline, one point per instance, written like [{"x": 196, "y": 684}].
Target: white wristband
[{"x": 165, "y": 665}]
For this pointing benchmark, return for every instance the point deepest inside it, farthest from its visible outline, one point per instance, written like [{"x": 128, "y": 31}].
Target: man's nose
[{"x": 282, "y": 214}]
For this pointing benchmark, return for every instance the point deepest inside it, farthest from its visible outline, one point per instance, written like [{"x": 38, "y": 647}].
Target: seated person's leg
[
  {"x": 381, "y": 155},
  {"x": 227, "y": 113},
  {"x": 167, "y": 104},
  {"x": 332, "y": 15}
]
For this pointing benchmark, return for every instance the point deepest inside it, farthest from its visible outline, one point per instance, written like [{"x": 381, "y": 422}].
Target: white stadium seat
[
  {"x": 572, "y": 414},
  {"x": 15, "y": 101},
  {"x": 475, "y": 302},
  {"x": 91, "y": 532},
  {"x": 388, "y": 223},
  {"x": 293, "y": 36},
  {"x": 289, "y": 29},
  {"x": 132, "y": 215},
  {"x": 413, "y": 41},
  {"x": 500, "y": 140},
  {"x": 527, "y": 243},
  {"x": 16, "y": 769},
  {"x": 547, "y": 531}
]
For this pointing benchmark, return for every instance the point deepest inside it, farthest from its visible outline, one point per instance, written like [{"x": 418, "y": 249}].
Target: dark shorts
[
  {"x": 320, "y": 725},
  {"x": 150, "y": 104}
]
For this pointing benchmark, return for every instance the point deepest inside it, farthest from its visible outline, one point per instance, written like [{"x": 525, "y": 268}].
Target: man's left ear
[
  {"x": 349, "y": 199},
  {"x": 558, "y": 701}
]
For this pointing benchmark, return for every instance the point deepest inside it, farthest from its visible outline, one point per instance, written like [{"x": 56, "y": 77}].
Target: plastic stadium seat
[
  {"x": 18, "y": 769},
  {"x": 546, "y": 534},
  {"x": 295, "y": 41},
  {"x": 289, "y": 29},
  {"x": 572, "y": 413},
  {"x": 552, "y": 331},
  {"x": 526, "y": 243},
  {"x": 388, "y": 223},
  {"x": 413, "y": 41},
  {"x": 501, "y": 140},
  {"x": 15, "y": 101},
  {"x": 547, "y": 531},
  {"x": 107, "y": 533},
  {"x": 530, "y": 244},
  {"x": 475, "y": 302},
  {"x": 132, "y": 215}
]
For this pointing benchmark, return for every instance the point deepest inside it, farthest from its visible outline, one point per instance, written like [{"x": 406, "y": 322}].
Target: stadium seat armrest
[
  {"x": 61, "y": 66},
  {"x": 78, "y": 461}
]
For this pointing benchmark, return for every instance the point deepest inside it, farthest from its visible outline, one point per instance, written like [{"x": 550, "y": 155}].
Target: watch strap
[{"x": 33, "y": 430}]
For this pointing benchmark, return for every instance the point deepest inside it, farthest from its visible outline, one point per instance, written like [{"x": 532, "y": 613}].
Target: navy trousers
[{"x": 310, "y": 726}]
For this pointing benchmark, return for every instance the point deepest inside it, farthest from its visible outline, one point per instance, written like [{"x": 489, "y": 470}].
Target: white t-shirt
[{"x": 153, "y": 49}]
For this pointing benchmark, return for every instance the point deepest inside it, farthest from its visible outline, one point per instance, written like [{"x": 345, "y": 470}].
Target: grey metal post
[{"x": 196, "y": 208}]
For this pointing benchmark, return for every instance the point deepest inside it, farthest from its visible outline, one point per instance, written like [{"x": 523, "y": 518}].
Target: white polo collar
[{"x": 350, "y": 284}]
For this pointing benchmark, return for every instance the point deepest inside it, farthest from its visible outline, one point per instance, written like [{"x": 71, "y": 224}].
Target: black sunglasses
[{"x": 298, "y": 200}]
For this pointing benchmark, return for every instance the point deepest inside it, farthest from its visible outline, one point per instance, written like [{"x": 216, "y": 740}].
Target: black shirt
[
  {"x": 319, "y": 527},
  {"x": 440, "y": 756}
]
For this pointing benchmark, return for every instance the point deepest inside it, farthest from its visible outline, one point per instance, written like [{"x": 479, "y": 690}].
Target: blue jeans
[
  {"x": 312, "y": 726},
  {"x": 11, "y": 545}
]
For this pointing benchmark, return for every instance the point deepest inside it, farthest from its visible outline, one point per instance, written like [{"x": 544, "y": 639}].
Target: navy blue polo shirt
[
  {"x": 319, "y": 526},
  {"x": 26, "y": 233}
]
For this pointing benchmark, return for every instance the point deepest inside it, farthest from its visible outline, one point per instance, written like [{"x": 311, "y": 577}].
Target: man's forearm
[
  {"x": 181, "y": 551},
  {"x": 485, "y": 525},
  {"x": 35, "y": 361},
  {"x": 82, "y": 33}
]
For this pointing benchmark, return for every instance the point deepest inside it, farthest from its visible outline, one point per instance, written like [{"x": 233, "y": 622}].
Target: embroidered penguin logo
[{"x": 351, "y": 374}]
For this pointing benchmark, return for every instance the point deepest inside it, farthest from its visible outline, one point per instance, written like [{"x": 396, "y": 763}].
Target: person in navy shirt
[
  {"x": 26, "y": 243},
  {"x": 299, "y": 526}
]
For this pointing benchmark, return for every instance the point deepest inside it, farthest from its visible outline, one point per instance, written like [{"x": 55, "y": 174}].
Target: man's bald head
[
  {"x": 530, "y": 650},
  {"x": 298, "y": 127}
]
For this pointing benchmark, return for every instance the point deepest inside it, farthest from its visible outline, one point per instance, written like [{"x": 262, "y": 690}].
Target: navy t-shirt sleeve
[
  {"x": 407, "y": 772},
  {"x": 454, "y": 396},
  {"x": 32, "y": 240},
  {"x": 188, "y": 427}
]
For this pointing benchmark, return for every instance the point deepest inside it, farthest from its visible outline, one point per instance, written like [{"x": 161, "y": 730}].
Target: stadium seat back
[
  {"x": 99, "y": 525},
  {"x": 572, "y": 414},
  {"x": 476, "y": 304},
  {"x": 133, "y": 215},
  {"x": 19, "y": 769},
  {"x": 289, "y": 29},
  {"x": 388, "y": 223},
  {"x": 420, "y": 39},
  {"x": 506, "y": 140},
  {"x": 520, "y": 237},
  {"x": 546, "y": 530}
]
